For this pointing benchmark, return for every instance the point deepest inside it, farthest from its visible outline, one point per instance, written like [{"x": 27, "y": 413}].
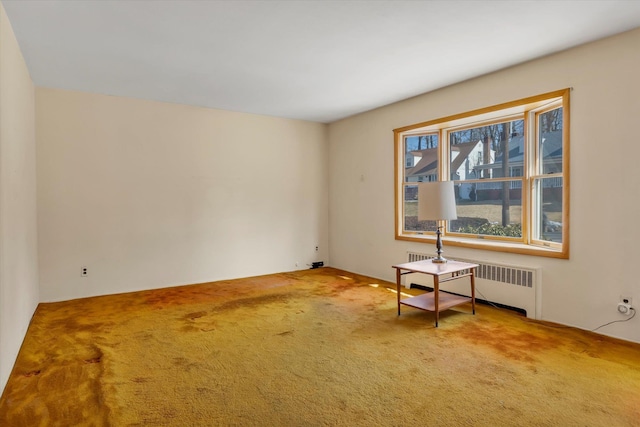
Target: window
[{"x": 509, "y": 165}]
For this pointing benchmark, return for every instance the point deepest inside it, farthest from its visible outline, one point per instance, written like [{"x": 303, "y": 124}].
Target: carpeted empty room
[
  {"x": 319, "y": 213},
  {"x": 315, "y": 347}
]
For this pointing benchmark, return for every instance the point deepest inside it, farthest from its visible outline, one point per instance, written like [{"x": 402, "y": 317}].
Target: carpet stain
[
  {"x": 249, "y": 302},
  {"x": 312, "y": 347},
  {"x": 515, "y": 344},
  {"x": 194, "y": 316}
]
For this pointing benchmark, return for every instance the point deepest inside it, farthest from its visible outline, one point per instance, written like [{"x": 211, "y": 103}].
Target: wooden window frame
[{"x": 528, "y": 109}]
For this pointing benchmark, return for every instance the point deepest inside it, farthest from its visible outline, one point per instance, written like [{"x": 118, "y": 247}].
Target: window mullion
[{"x": 516, "y": 143}]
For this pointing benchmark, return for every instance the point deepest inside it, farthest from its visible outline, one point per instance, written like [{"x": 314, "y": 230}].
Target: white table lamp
[{"x": 436, "y": 202}]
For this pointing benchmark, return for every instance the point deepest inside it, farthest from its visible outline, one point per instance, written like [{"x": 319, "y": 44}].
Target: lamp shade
[{"x": 436, "y": 201}]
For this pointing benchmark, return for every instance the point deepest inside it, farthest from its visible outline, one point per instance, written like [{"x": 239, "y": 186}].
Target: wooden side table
[{"x": 433, "y": 301}]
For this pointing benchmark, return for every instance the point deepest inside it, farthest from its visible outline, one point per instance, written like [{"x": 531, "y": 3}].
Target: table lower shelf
[{"x": 426, "y": 301}]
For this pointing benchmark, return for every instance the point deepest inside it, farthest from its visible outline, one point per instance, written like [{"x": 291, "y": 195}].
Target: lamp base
[{"x": 439, "y": 259}]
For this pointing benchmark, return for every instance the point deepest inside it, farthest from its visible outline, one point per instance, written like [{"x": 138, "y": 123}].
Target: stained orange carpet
[{"x": 310, "y": 348}]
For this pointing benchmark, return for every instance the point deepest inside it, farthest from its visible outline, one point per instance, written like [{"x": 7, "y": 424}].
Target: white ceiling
[{"x": 311, "y": 60}]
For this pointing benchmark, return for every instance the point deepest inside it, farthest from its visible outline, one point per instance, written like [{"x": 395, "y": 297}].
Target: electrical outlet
[
  {"x": 624, "y": 306},
  {"x": 84, "y": 272},
  {"x": 317, "y": 248}
]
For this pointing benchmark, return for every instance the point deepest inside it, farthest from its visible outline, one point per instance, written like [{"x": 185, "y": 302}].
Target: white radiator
[{"x": 511, "y": 285}]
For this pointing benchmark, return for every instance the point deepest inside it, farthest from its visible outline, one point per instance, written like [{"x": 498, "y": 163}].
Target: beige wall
[
  {"x": 18, "y": 251},
  {"x": 148, "y": 194},
  {"x": 605, "y": 107}
]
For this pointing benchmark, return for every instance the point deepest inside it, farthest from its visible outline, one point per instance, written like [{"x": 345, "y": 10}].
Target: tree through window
[{"x": 509, "y": 167}]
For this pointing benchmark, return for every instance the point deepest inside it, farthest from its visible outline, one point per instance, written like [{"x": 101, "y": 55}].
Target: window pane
[
  {"x": 491, "y": 151},
  {"x": 550, "y": 141},
  {"x": 506, "y": 162},
  {"x": 421, "y": 158},
  {"x": 548, "y": 194},
  {"x": 495, "y": 209},
  {"x": 411, "y": 222}
]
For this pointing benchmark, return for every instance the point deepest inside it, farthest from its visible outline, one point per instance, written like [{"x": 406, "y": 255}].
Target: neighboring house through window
[{"x": 509, "y": 164}]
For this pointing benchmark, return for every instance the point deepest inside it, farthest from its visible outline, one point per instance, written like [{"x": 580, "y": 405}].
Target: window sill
[{"x": 491, "y": 245}]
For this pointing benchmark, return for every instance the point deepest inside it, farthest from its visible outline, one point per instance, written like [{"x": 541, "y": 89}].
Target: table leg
[
  {"x": 436, "y": 289},
  {"x": 398, "y": 288},
  {"x": 473, "y": 290}
]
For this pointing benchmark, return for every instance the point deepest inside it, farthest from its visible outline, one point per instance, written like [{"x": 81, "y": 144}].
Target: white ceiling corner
[{"x": 310, "y": 60}]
